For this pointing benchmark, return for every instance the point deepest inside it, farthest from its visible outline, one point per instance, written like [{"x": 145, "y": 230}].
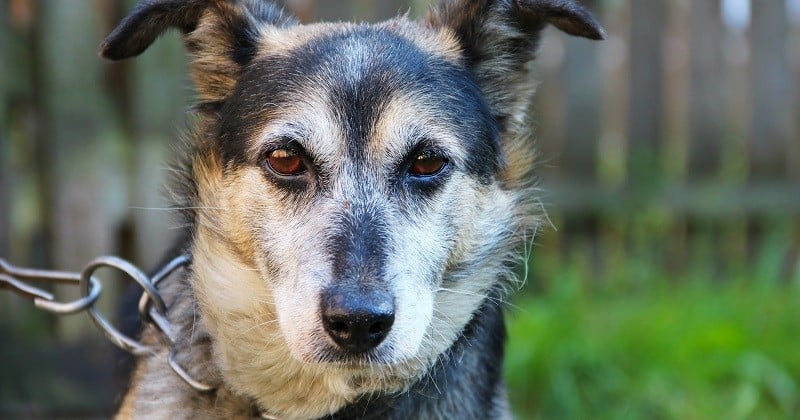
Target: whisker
[{"x": 176, "y": 208}]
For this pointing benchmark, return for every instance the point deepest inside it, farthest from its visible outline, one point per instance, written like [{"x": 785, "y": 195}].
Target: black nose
[{"x": 357, "y": 320}]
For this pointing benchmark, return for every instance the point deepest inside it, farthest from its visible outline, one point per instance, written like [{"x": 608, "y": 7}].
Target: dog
[{"x": 356, "y": 197}]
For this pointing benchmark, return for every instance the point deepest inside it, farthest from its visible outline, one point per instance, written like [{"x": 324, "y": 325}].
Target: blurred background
[{"x": 667, "y": 286}]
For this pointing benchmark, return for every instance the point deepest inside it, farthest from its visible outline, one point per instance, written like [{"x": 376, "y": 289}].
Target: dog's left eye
[
  {"x": 286, "y": 162},
  {"x": 427, "y": 163}
]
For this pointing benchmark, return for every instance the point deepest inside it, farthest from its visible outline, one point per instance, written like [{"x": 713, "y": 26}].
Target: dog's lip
[{"x": 334, "y": 357}]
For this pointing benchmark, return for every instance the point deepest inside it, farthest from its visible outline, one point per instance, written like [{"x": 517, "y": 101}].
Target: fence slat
[
  {"x": 582, "y": 99},
  {"x": 706, "y": 106},
  {"x": 303, "y": 9},
  {"x": 646, "y": 104},
  {"x": 794, "y": 153},
  {"x": 548, "y": 104},
  {"x": 5, "y": 141},
  {"x": 771, "y": 82}
]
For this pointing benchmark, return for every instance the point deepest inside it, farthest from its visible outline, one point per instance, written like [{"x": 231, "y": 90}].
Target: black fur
[
  {"x": 151, "y": 18},
  {"x": 147, "y": 21},
  {"x": 358, "y": 247}
]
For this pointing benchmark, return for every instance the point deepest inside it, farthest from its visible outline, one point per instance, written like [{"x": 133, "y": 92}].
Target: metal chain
[{"x": 152, "y": 307}]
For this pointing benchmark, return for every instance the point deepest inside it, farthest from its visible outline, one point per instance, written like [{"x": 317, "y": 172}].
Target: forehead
[{"x": 356, "y": 72}]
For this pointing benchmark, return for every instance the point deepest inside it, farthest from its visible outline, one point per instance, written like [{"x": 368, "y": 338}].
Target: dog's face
[
  {"x": 360, "y": 188},
  {"x": 361, "y": 192},
  {"x": 360, "y": 163}
]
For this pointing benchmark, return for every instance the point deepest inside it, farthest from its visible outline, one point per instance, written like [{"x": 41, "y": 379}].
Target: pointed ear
[
  {"x": 221, "y": 36},
  {"x": 499, "y": 37}
]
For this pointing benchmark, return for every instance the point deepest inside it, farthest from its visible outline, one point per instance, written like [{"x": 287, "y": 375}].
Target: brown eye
[
  {"x": 286, "y": 162},
  {"x": 427, "y": 163}
]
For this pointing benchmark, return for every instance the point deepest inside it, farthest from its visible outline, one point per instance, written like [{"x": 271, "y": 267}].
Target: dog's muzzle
[{"x": 357, "y": 320}]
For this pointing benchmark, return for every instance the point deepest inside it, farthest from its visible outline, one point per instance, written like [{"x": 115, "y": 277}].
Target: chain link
[
  {"x": 152, "y": 308},
  {"x": 13, "y": 278}
]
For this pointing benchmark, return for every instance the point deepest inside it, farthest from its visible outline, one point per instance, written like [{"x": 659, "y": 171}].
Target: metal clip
[
  {"x": 112, "y": 333},
  {"x": 23, "y": 289}
]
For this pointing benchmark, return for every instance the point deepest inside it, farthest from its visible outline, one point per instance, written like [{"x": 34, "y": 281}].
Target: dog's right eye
[{"x": 286, "y": 162}]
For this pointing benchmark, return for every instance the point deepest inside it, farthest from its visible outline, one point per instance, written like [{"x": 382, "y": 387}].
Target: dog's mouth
[
  {"x": 335, "y": 357},
  {"x": 392, "y": 354},
  {"x": 367, "y": 371}
]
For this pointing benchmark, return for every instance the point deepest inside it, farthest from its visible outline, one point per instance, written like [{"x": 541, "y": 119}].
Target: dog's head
[{"x": 360, "y": 189}]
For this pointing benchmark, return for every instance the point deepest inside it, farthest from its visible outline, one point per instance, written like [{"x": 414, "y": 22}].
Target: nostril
[
  {"x": 339, "y": 327},
  {"x": 377, "y": 328},
  {"x": 381, "y": 326}
]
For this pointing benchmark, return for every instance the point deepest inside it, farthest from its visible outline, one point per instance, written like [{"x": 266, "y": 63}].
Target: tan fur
[
  {"x": 403, "y": 115},
  {"x": 440, "y": 41},
  {"x": 213, "y": 71}
]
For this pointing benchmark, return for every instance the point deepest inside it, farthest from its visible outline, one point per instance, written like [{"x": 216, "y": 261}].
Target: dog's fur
[{"x": 359, "y": 103}]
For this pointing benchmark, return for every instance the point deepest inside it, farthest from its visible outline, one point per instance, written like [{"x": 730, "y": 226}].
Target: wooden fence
[{"x": 681, "y": 123}]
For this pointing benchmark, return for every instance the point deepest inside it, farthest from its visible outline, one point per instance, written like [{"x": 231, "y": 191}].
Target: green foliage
[{"x": 669, "y": 349}]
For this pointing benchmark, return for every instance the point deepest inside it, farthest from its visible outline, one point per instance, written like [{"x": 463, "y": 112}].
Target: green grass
[{"x": 686, "y": 350}]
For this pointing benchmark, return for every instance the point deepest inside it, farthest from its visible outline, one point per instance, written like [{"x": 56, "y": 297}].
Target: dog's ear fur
[
  {"x": 221, "y": 36},
  {"x": 499, "y": 37}
]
